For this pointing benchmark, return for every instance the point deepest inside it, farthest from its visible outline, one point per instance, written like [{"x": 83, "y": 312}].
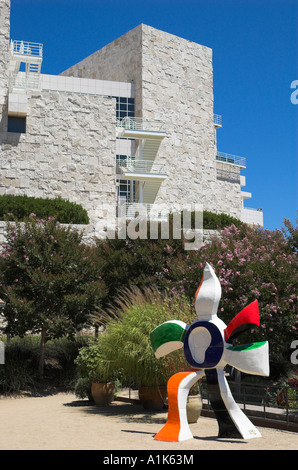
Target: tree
[{"x": 48, "y": 280}]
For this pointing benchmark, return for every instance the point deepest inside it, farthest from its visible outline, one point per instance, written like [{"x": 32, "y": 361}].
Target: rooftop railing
[
  {"x": 232, "y": 159},
  {"x": 26, "y": 48},
  {"x": 130, "y": 164},
  {"x": 140, "y": 124},
  {"x": 217, "y": 119}
]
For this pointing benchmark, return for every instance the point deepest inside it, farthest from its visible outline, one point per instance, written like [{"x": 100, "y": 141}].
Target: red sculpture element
[{"x": 247, "y": 318}]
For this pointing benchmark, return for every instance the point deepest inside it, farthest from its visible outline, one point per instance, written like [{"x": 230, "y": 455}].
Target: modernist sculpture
[{"x": 208, "y": 350}]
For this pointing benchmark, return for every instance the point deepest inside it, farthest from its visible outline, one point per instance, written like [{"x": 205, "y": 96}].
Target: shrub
[
  {"x": 20, "y": 207},
  {"x": 48, "y": 280},
  {"x": 126, "y": 345},
  {"x": 20, "y": 369}
]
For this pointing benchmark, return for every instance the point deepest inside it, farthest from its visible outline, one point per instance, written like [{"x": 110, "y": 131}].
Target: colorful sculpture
[{"x": 207, "y": 349}]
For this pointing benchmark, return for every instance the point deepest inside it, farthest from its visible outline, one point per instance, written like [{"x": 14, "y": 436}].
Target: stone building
[{"x": 132, "y": 124}]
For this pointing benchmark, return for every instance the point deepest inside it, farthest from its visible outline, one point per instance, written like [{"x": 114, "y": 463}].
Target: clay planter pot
[
  {"x": 193, "y": 408},
  {"x": 103, "y": 393},
  {"x": 153, "y": 398}
]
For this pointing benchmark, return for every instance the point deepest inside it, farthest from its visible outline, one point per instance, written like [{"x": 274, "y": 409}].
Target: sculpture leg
[
  {"x": 231, "y": 420},
  {"x": 176, "y": 427}
]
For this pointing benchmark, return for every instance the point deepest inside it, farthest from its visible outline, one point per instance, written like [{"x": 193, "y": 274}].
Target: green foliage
[
  {"x": 291, "y": 234},
  {"x": 83, "y": 388},
  {"x": 19, "y": 373},
  {"x": 20, "y": 207},
  {"x": 212, "y": 221},
  {"x": 20, "y": 369},
  {"x": 48, "y": 280},
  {"x": 93, "y": 366},
  {"x": 126, "y": 342}
]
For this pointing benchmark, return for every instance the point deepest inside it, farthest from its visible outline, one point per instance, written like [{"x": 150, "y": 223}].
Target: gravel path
[{"x": 62, "y": 422}]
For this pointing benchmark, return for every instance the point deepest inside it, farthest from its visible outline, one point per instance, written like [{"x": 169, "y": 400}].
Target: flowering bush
[{"x": 250, "y": 264}]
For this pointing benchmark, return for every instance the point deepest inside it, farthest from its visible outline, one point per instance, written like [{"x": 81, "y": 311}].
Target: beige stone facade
[{"x": 73, "y": 131}]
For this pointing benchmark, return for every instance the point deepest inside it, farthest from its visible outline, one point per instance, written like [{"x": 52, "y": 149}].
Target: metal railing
[
  {"x": 217, "y": 119},
  {"x": 140, "y": 124},
  {"x": 146, "y": 211},
  {"x": 231, "y": 159},
  {"x": 130, "y": 164},
  {"x": 269, "y": 402},
  {"x": 26, "y": 48},
  {"x": 25, "y": 80}
]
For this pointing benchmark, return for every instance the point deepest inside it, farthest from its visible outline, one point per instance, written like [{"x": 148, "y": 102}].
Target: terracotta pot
[
  {"x": 153, "y": 398},
  {"x": 103, "y": 393},
  {"x": 193, "y": 408}
]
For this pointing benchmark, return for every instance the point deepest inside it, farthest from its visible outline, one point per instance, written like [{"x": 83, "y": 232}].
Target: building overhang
[
  {"x": 136, "y": 176},
  {"x": 139, "y": 134}
]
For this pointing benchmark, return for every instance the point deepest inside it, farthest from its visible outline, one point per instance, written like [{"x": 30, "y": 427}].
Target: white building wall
[
  {"x": 68, "y": 150},
  {"x": 173, "y": 81}
]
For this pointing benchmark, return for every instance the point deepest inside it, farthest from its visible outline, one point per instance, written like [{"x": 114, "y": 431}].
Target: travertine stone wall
[
  {"x": 173, "y": 80},
  {"x": 177, "y": 79},
  {"x": 4, "y": 50},
  {"x": 119, "y": 61},
  {"x": 68, "y": 150}
]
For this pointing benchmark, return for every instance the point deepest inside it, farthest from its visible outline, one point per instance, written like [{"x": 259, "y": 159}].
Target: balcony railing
[
  {"x": 131, "y": 165},
  {"x": 217, "y": 119},
  {"x": 141, "y": 210},
  {"x": 140, "y": 124},
  {"x": 26, "y": 48},
  {"x": 231, "y": 159}
]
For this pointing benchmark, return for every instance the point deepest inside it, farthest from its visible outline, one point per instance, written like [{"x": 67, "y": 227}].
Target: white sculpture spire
[{"x": 208, "y": 295}]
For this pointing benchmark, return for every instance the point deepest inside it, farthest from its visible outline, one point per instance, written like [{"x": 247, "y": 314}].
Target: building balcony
[
  {"x": 131, "y": 210},
  {"x": 30, "y": 54},
  {"x": 231, "y": 159},
  {"x": 131, "y": 169},
  {"x": 139, "y": 128},
  {"x": 217, "y": 120},
  {"x": 25, "y": 51},
  {"x": 252, "y": 216}
]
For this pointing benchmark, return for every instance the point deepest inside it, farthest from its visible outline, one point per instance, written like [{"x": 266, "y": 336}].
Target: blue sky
[{"x": 255, "y": 60}]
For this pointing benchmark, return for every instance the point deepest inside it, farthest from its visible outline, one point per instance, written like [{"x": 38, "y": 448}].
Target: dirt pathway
[{"x": 62, "y": 422}]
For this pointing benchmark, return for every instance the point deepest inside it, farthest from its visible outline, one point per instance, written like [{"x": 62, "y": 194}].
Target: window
[
  {"x": 16, "y": 124},
  {"x": 127, "y": 190},
  {"x": 124, "y": 107}
]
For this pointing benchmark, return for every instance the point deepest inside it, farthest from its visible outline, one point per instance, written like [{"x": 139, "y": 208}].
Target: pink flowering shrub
[{"x": 250, "y": 264}]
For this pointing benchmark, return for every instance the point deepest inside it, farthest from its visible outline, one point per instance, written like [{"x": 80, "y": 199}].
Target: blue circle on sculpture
[{"x": 203, "y": 345}]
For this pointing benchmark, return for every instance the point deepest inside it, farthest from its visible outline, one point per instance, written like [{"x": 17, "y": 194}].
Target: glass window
[
  {"x": 16, "y": 124},
  {"x": 124, "y": 107}
]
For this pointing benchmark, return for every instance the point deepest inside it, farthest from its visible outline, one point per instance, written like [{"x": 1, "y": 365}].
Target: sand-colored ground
[{"x": 62, "y": 422}]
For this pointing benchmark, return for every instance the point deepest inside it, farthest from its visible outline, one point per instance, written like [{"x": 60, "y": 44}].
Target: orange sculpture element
[{"x": 176, "y": 427}]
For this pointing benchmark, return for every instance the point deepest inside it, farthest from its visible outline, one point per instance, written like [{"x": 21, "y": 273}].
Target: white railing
[
  {"x": 232, "y": 159},
  {"x": 217, "y": 119},
  {"x": 131, "y": 165},
  {"x": 140, "y": 124},
  {"x": 132, "y": 210},
  {"x": 26, "y": 48},
  {"x": 25, "y": 80}
]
